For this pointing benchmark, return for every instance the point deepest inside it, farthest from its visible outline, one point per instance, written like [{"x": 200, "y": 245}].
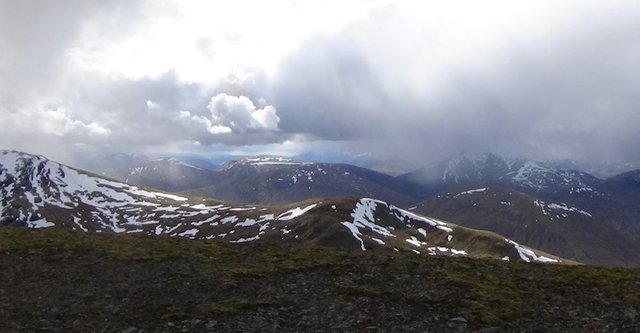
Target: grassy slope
[{"x": 58, "y": 280}]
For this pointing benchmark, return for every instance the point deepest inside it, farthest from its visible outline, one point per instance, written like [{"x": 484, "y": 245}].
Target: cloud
[
  {"x": 36, "y": 37},
  {"x": 240, "y": 115},
  {"x": 412, "y": 91},
  {"x": 164, "y": 110},
  {"x": 59, "y": 123},
  {"x": 405, "y": 82}
]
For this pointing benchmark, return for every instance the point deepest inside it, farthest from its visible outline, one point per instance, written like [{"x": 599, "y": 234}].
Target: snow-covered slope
[{"x": 38, "y": 193}]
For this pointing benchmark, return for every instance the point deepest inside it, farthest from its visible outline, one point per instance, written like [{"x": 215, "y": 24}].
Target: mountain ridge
[{"x": 39, "y": 193}]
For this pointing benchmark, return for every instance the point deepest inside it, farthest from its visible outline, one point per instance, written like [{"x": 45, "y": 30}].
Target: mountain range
[
  {"x": 569, "y": 213},
  {"x": 262, "y": 180},
  {"x": 608, "y": 235},
  {"x": 39, "y": 193}
]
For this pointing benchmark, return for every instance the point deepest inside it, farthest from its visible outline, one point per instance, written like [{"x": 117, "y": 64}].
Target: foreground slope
[
  {"x": 61, "y": 281},
  {"x": 555, "y": 227},
  {"x": 39, "y": 193}
]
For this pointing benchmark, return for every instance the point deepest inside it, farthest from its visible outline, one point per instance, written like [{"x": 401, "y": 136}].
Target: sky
[{"x": 403, "y": 83}]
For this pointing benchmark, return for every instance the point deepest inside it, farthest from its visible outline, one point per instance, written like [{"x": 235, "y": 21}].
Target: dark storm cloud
[
  {"x": 574, "y": 92},
  {"x": 35, "y": 37}
]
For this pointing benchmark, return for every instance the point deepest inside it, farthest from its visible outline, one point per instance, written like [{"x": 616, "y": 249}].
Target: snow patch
[
  {"x": 528, "y": 255},
  {"x": 415, "y": 242},
  {"x": 564, "y": 206},
  {"x": 470, "y": 192},
  {"x": 355, "y": 232},
  {"x": 295, "y": 212},
  {"x": 190, "y": 232}
]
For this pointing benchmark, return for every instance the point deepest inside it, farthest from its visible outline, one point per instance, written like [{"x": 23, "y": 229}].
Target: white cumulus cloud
[{"x": 240, "y": 114}]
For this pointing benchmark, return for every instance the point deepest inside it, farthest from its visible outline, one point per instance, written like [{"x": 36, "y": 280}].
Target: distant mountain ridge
[
  {"x": 526, "y": 175},
  {"x": 264, "y": 180},
  {"x": 523, "y": 175},
  {"x": 38, "y": 193}
]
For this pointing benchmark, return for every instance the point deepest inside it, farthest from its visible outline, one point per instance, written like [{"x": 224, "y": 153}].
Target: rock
[
  {"x": 131, "y": 329},
  {"x": 459, "y": 320},
  {"x": 488, "y": 330},
  {"x": 211, "y": 325},
  {"x": 458, "y": 323},
  {"x": 631, "y": 313}
]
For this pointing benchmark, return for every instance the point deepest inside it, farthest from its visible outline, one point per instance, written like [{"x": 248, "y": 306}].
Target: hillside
[
  {"x": 551, "y": 226},
  {"x": 39, "y": 193},
  {"x": 621, "y": 209},
  {"x": 65, "y": 281}
]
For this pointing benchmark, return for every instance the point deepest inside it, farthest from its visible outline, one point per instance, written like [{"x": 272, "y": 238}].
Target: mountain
[
  {"x": 39, "y": 193},
  {"x": 524, "y": 175},
  {"x": 612, "y": 202},
  {"x": 619, "y": 206},
  {"x": 270, "y": 180},
  {"x": 168, "y": 174},
  {"x": 263, "y": 180},
  {"x": 550, "y": 226}
]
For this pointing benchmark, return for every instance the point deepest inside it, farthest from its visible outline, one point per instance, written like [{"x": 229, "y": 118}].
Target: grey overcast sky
[{"x": 404, "y": 82}]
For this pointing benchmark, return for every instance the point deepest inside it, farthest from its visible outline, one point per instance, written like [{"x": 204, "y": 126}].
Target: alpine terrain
[
  {"x": 39, "y": 193},
  {"x": 566, "y": 212},
  {"x": 81, "y": 252}
]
